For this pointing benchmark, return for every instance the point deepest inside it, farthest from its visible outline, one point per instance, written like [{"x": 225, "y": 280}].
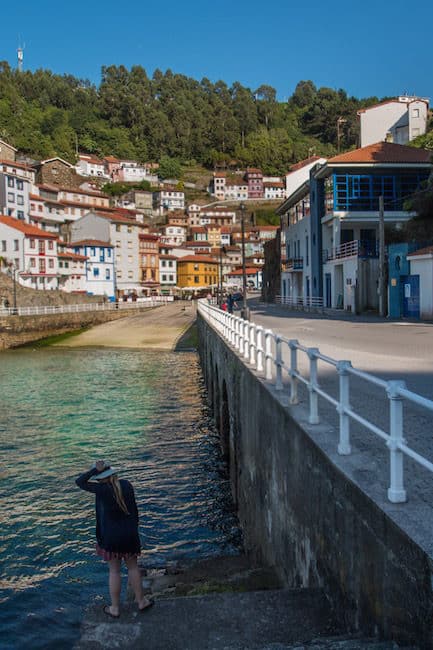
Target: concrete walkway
[{"x": 157, "y": 328}]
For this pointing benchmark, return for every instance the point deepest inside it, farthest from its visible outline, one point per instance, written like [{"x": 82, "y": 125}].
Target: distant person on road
[
  {"x": 230, "y": 303},
  {"x": 116, "y": 531}
]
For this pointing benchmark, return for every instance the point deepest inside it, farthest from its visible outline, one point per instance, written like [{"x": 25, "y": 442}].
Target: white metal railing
[
  {"x": 141, "y": 303},
  {"x": 299, "y": 302},
  {"x": 262, "y": 349}
]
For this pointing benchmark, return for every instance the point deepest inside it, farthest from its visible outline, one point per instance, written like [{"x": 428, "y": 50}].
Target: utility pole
[
  {"x": 244, "y": 312},
  {"x": 340, "y": 121},
  {"x": 382, "y": 288}
]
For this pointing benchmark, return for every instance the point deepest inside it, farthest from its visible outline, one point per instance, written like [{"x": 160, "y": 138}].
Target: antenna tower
[{"x": 20, "y": 56}]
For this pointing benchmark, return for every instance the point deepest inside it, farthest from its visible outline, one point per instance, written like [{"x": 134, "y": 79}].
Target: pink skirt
[{"x": 110, "y": 555}]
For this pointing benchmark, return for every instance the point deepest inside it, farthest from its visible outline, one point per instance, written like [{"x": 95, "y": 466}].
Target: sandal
[{"x": 106, "y": 610}]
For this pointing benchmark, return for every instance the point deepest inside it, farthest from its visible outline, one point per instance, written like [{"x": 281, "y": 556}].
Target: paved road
[{"x": 390, "y": 350}]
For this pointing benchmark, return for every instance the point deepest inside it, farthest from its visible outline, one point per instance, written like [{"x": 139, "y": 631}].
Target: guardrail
[
  {"x": 262, "y": 349},
  {"x": 142, "y": 303},
  {"x": 299, "y": 302}
]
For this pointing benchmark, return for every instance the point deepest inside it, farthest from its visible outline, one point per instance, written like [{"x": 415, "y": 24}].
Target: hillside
[{"x": 196, "y": 122}]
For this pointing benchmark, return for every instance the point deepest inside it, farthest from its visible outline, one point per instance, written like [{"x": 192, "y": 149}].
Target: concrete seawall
[{"x": 301, "y": 512}]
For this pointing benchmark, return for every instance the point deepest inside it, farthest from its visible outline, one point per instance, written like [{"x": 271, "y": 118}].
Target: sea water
[{"x": 60, "y": 410}]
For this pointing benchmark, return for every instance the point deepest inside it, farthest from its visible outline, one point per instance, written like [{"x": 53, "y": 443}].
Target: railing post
[
  {"x": 241, "y": 335},
  {"x": 314, "y": 398},
  {"x": 259, "y": 341},
  {"x": 278, "y": 362},
  {"x": 252, "y": 344},
  {"x": 396, "y": 491},
  {"x": 293, "y": 343},
  {"x": 344, "y": 448},
  {"x": 246, "y": 350},
  {"x": 237, "y": 334},
  {"x": 268, "y": 354}
]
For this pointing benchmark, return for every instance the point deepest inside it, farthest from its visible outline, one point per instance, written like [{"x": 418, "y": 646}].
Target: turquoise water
[{"x": 62, "y": 409}]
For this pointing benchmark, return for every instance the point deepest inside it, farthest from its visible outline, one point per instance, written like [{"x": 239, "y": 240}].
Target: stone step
[{"x": 255, "y": 620}]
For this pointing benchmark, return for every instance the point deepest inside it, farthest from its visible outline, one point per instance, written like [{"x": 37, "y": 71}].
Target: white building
[
  {"x": 218, "y": 185},
  {"x": 72, "y": 270},
  {"x": 193, "y": 211},
  {"x": 100, "y": 276},
  {"x": 175, "y": 235},
  {"x": 274, "y": 190},
  {"x": 32, "y": 252},
  {"x": 299, "y": 173},
  {"x": 396, "y": 120},
  {"x": 421, "y": 264},
  {"x": 89, "y": 165},
  {"x": 236, "y": 189},
  {"x": 168, "y": 272},
  {"x": 122, "y": 233},
  {"x": 169, "y": 199}
]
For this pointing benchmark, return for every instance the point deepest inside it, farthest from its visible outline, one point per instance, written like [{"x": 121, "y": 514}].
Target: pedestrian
[
  {"x": 230, "y": 303},
  {"x": 116, "y": 531}
]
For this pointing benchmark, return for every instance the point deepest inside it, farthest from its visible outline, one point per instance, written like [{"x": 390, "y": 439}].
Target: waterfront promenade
[{"x": 157, "y": 329}]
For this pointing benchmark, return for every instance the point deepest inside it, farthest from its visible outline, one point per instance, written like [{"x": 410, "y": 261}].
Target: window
[
  {"x": 108, "y": 252},
  {"x": 11, "y": 182},
  {"x": 118, "y": 227},
  {"x": 20, "y": 185},
  {"x": 50, "y": 245},
  {"x": 196, "y": 279},
  {"x": 129, "y": 228},
  {"x": 415, "y": 112},
  {"x": 92, "y": 251},
  {"x": 32, "y": 243},
  {"x": 3, "y": 246},
  {"x": 164, "y": 278},
  {"x": 96, "y": 273},
  {"x": 20, "y": 215},
  {"x": 16, "y": 245},
  {"x": 11, "y": 197},
  {"x": 130, "y": 275},
  {"x": 51, "y": 263},
  {"x": 42, "y": 265},
  {"x": 32, "y": 262},
  {"x": 107, "y": 274}
]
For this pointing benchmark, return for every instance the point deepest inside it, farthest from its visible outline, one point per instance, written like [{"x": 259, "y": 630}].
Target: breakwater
[{"x": 301, "y": 512}]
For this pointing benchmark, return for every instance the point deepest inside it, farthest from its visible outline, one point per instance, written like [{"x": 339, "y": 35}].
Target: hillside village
[{"x": 59, "y": 229}]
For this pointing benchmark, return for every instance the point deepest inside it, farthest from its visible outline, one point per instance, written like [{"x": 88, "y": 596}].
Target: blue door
[{"x": 409, "y": 286}]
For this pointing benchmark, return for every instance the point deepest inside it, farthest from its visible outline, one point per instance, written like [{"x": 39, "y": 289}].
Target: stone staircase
[{"x": 222, "y": 604}]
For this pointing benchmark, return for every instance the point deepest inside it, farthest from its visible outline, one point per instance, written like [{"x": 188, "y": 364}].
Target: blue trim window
[
  {"x": 96, "y": 273},
  {"x": 357, "y": 193}
]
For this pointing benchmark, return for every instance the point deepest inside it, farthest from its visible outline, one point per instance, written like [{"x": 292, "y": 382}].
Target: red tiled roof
[
  {"x": 148, "y": 237},
  {"x": 428, "y": 250},
  {"x": 197, "y": 258},
  {"x": 250, "y": 270},
  {"x": 168, "y": 257},
  {"x": 273, "y": 184},
  {"x": 74, "y": 190},
  {"x": 36, "y": 197},
  {"x": 382, "y": 153},
  {"x": 303, "y": 163},
  {"x": 91, "y": 242},
  {"x": 72, "y": 256},
  {"x": 27, "y": 229},
  {"x": 15, "y": 163}
]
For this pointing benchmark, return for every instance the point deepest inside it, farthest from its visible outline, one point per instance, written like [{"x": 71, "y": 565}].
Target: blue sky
[{"x": 373, "y": 47}]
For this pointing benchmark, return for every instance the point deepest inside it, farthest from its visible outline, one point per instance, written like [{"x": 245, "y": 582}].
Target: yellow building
[{"x": 197, "y": 272}]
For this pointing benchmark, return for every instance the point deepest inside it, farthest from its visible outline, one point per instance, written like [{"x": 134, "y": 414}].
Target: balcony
[
  {"x": 294, "y": 264},
  {"x": 356, "y": 248}
]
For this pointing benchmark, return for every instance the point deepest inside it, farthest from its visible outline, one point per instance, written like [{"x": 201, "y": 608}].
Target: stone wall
[
  {"x": 301, "y": 513},
  {"x": 18, "y": 330}
]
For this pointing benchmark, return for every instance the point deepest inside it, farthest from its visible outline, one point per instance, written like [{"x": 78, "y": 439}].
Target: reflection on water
[{"x": 60, "y": 410}]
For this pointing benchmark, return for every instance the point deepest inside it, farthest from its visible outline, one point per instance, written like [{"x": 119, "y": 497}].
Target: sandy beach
[{"x": 159, "y": 328}]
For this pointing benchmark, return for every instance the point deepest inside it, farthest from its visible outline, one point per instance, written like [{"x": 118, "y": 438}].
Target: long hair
[{"x": 118, "y": 494}]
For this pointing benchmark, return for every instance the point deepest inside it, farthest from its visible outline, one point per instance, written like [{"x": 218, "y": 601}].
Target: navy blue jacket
[{"x": 115, "y": 531}]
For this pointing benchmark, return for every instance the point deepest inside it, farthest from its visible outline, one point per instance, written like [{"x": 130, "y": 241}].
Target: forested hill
[{"x": 131, "y": 115}]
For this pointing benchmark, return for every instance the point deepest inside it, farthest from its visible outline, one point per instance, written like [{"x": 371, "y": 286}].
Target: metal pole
[
  {"x": 15, "y": 289},
  {"x": 244, "y": 275},
  {"x": 220, "y": 287},
  {"x": 382, "y": 309}
]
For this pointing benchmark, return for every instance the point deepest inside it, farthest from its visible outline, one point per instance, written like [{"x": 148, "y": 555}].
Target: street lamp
[
  {"x": 244, "y": 312},
  {"x": 220, "y": 288}
]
